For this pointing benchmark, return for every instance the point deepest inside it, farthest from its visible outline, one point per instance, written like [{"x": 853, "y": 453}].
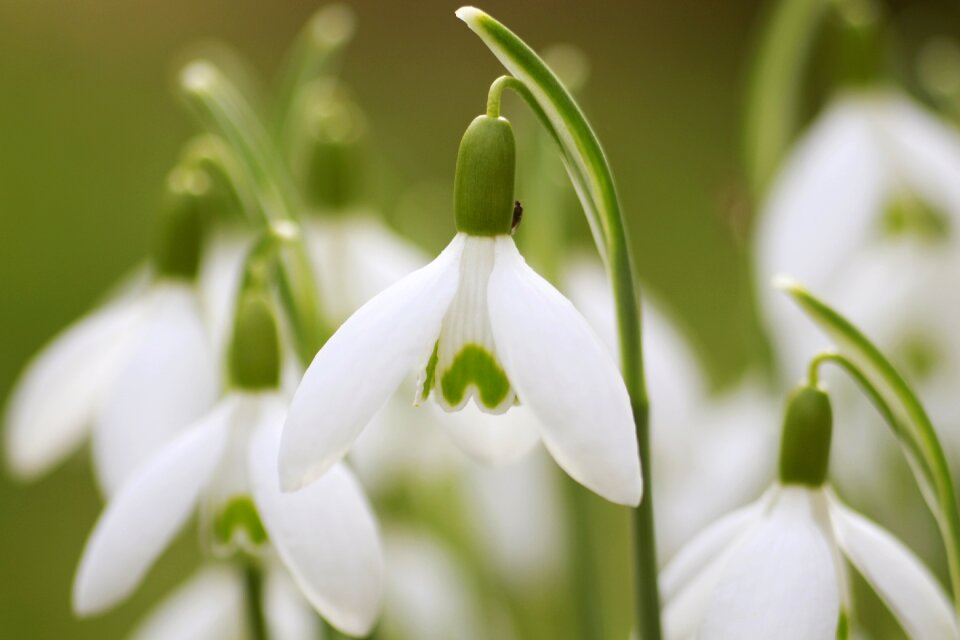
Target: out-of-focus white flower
[
  {"x": 211, "y": 606},
  {"x": 325, "y": 535},
  {"x": 428, "y": 595},
  {"x": 355, "y": 257},
  {"x": 707, "y": 449},
  {"x": 775, "y": 569},
  {"x": 870, "y": 192},
  {"x": 137, "y": 371}
]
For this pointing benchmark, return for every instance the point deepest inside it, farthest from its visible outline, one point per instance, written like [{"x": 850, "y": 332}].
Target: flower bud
[
  {"x": 805, "y": 444},
  {"x": 483, "y": 187},
  {"x": 254, "y": 356},
  {"x": 329, "y": 162},
  {"x": 182, "y": 225}
]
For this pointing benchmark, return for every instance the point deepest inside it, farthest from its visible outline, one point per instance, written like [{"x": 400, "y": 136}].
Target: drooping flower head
[
  {"x": 478, "y": 326},
  {"x": 226, "y": 464},
  {"x": 776, "y": 568},
  {"x": 135, "y": 371}
]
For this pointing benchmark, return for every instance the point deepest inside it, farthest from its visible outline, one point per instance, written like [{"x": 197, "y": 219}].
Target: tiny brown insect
[{"x": 517, "y": 216}]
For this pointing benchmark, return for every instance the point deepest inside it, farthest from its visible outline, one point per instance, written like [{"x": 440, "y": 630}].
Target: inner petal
[{"x": 464, "y": 364}]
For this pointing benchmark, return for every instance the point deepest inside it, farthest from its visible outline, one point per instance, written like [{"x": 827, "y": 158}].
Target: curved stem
[
  {"x": 917, "y": 457},
  {"x": 224, "y": 111},
  {"x": 614, "y": 247},
  {"x": 253, "y": 597}
]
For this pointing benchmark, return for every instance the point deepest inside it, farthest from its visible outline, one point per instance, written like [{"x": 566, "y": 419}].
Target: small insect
[{"x": 517, "y": 216}]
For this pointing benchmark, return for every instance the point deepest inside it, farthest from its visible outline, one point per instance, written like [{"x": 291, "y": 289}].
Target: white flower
[
  {"x": 355, "y": 256},
  {"x": 137, "y": 370},
  {"x": 325, "y": 535},
  {"x": 211, "y": 606},
  {"x": 874, "y": 180},
  {"x": 480, "y": 325},
  {"x": 775, "y": 569}
]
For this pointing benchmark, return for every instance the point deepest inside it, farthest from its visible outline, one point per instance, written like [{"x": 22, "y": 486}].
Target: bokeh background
[{"x": 89, "y": 126}]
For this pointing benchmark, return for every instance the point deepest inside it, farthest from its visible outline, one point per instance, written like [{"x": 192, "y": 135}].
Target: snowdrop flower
[
  {"x": 135, "y": 371},
  {"x": 480, "y": 325},
  {"x": 775, "y": 569},
  {"x": 211, "y": 606},
  {"x": 875, "y": 172},
  {"x": 325, "y": 535}
]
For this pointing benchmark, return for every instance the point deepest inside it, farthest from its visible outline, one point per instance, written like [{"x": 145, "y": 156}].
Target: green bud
[
  {"x": 329, "y": 162},
  {"x": 182, "y": 224},
  {"x": 254, "y": 356},
  {"x": 483, "y": 187},
  {"x": 807, "y": 429}
]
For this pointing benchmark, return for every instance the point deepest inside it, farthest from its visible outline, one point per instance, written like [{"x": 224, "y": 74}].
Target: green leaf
[
  {"x": 773, "y": 94},
  {"x": 901, "y": 408}
]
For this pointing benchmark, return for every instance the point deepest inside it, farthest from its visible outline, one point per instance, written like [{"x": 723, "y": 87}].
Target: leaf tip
[
  {"x": 469, "y": 14},
  {"x": 786, "y": 284}
]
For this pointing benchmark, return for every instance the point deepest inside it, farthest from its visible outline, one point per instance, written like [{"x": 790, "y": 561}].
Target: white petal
[
  {"x": 170, "y": 378},
  {"x": 562, "y": 372},
  {"x": 147, "y": 512},
  {"x": 363, "y": 363},
  {"x": 209, "y": 606},
  {"x": 707, "y": 546},
  {"x": 219, "y": 279},
  {"x": 53, "y": 403},
  {"x": 490, "y": 439},
  {"x": 907, "y": 587},
  {"x": 429, "y": 597},
  {"x": 325, "y": 533},
  {"x": 781, "y": 581},
  {"x": 289, "y": 616},
  {"x": 827, "y": 195},
  {"x": 927, "y": 152},
  {"x": 355, "y": 257}
]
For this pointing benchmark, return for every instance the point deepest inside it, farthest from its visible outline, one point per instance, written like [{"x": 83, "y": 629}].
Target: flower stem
[
  {"x": 253, "y": 595},
  {"x": 588, "y": 169}
]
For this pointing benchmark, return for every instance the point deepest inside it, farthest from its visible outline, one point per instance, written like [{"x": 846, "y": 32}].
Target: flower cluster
[{"x": 362, "y": 433}]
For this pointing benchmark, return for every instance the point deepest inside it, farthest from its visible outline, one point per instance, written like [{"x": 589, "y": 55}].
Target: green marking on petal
[
  {"x": 431, "y": 373},
  {"x": 240, "y": 513},
  {"x": 907, "y": 215},
  {"x": 475, "y": 366},
  {"x": 843, "y": 626}
]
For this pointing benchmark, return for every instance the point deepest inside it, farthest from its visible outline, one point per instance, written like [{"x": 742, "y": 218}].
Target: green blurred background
[{"x": 89, "y": 127}]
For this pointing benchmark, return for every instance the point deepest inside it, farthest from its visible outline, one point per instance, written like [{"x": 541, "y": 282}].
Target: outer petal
[
  {"x": 361, "y": 365},
  {"x": 707, "y": 546},
  {"x": 927, "y": 151},
  {"x": 781, "y": 580},
  {"x": 208, "y": 607},
  {"x": 562, "y": 372},
  {"x": 289, "y": 615},
  {"x": 491, "y": 439},
  {"x": 910, "y": 591},
  {"x": 54, "y": 402},
  {"x": 140, "y": 521},
  {"x": 170, "y": 379},
  {"x": 325, "y": 534}
]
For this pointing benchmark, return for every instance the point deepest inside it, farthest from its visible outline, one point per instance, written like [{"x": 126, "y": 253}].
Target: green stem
[
  {"x": 253, "y": 596},
  {"x": 627, "y": 304},
  {"x": 773, "y": 94},
  {"x": 587, "y": 588},
  {"x": 592, "y": 178},
  {"x": 224, "y": 111}
]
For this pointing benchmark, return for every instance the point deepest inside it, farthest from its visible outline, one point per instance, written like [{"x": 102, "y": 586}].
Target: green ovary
[
  {"x": 239, "y": 514},
  {"x": 475, "y": 366}
]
